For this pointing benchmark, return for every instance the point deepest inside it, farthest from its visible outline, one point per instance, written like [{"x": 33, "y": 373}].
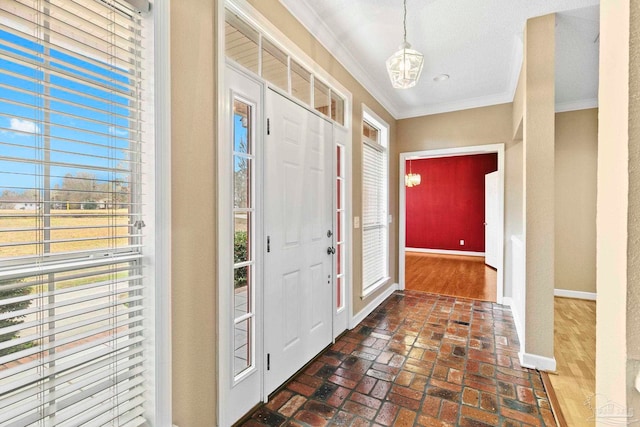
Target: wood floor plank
[
  {"x": 453, "y": 275},
  {"x": 575, "y": 351}
]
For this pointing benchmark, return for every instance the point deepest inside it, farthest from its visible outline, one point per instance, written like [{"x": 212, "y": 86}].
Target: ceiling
[{"x": 478, "y": 43}]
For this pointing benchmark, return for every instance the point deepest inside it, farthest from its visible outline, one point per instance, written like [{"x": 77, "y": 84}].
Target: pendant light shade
[
  {"x": 404, "y": 66},
  {"x": 412, "y": 179}
]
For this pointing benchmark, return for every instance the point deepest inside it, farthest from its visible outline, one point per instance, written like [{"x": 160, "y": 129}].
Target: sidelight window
[{"x": 243, "y": 231}]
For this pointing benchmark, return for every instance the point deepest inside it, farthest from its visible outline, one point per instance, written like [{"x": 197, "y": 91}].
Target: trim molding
[
  {"x": 534, "y": 361},
  {"x": 516, "y": 319},
  {"x": 359, "y": 317},
  {"x": 443, "y": 251},
  {"x": 162, "y": 193},
  {"x": 566, "y": 293}
]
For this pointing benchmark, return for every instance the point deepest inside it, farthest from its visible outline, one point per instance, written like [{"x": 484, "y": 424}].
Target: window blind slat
[
  {"x": 117, "y": 66},
  {"x": 70, "y": 381},
  {"x": 91, "y": 39},
  {"x": 99, "y": 415},
  {"x": 79, "y": 313},
  {"x": 64, "y": 74},
  {"x": 37, "y": 370},
  {"x": 63, "y": 402},
  {"x": 64, "y": 303}
]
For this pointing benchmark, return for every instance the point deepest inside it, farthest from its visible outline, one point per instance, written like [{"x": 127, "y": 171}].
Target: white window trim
[
  {"x": 371, "y": 117},
  {"x": 160, "y": 410}
]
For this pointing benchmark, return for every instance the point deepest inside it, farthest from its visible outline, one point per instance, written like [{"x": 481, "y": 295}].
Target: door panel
[
  {"x": 240, "y": 289},
  {"x": 298, "y": 214},
  {"x": 491, "y": 219}
]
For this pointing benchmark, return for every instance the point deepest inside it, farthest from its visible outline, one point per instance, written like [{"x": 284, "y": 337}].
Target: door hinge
[
  {"x": 268, "y": 126},
  {"x": 268, "y": 244},
  {"x": 268, "y": 361}
]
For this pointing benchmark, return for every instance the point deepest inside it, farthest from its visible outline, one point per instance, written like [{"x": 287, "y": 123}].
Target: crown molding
[{"x": 464, "y": 104}]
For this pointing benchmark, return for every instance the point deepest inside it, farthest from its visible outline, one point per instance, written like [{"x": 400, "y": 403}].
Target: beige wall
[
  {"x": 513, "y": 214},
  {"x": 477, "y": 126},
  {"x": 193, "y": 154},
  {"x": 617, "y": 295},
  {"x": 575, "y": 200},
  {"x": 538, "y": 150},
  {"x": 633, "y": 275},
  {"x": 278, "y": 15}
]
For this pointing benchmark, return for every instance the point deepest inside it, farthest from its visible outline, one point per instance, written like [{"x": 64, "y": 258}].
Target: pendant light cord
[{"x": 405, "y": 21}]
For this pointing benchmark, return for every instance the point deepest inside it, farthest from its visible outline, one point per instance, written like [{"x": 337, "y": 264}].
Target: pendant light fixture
[
  {"x": 412, "y": 179},
  {"x": 404, "y": 66}
]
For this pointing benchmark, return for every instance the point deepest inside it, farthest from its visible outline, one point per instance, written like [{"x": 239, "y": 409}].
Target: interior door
[
  {"x": 299, "y": 229},
  {"x": 491, "y": 219}
]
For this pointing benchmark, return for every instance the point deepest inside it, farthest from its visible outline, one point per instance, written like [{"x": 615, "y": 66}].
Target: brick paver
[{"x": 417, "y": 360}]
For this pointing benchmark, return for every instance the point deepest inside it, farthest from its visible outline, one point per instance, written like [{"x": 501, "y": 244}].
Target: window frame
[
  {"x": 156, "y": 249},
  {"x": 381, "y": 145}
]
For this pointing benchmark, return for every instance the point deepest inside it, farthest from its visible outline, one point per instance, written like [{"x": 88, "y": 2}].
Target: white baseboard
[
  {"x": 359, "y": 317},
  {"x": 527, "y": 360},
  {"x": 443, "y": 252},
  {"x": 516, "y": 318},
  {"x": 566, "y": 293},
  {"x": 541, "y": 363}
]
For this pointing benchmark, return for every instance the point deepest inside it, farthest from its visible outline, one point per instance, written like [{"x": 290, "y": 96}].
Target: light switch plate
[{"x": 356, "y": 222}]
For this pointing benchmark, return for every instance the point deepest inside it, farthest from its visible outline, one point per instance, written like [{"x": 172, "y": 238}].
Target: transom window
[{"x": 249, "y": 48}]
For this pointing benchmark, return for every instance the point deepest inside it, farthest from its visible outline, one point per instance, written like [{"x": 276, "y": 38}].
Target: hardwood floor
[
  {"x": 453, "y": 275},
  {"x": 575, "y": 352}
]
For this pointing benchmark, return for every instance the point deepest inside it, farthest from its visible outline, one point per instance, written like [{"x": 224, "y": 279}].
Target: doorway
[
  {"x": 456, "y": 258},
  {"x": 298, "y": 284},
  {"x": 282, "y": 296}
]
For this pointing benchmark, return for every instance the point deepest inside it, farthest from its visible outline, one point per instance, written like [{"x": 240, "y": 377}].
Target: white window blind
[
  {"x": 374, "y": 214},
  {"x": 72, "y": 282}
]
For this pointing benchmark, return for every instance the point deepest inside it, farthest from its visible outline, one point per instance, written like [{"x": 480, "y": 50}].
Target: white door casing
[
  {"x": 491, "y": 210},
  {"x": 298, "y": 205}
]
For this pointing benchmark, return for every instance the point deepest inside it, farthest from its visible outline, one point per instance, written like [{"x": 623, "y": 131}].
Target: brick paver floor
[{"x": 417, "y": 360}]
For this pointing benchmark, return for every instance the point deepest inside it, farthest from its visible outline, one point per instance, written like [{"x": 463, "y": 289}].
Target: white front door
[
  {"x": 298, "y": 203},
  {"x": 491, "y": 219}
]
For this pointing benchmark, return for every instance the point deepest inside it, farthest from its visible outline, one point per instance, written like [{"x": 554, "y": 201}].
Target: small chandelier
[
  {"x": 412, "y": 179},
  {"x": 404, "y": 66}
]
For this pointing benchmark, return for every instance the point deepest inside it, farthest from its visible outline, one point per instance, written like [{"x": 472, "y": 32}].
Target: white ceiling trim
[
  {"x": 465, "y": 104},
  {"x": 301, "y": 10},
  {"x": 582, "y": 104}
]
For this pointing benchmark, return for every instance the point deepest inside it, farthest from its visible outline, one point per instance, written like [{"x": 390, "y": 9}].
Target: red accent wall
[{"x": 448, "y": 206}]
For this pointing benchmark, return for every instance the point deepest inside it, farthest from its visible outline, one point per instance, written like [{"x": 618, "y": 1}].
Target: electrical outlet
[
  {"x": 461, "y": 242},
  {"x": 356, "y": 222}
]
